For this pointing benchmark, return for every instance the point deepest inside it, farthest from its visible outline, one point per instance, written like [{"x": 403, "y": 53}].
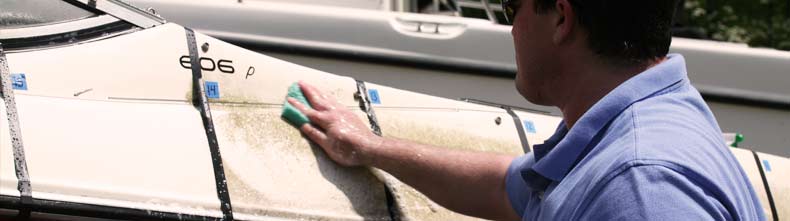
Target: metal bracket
[
  {"x": 520, "y": 129},
  {"x": 20, "y": 164},
  {"x": 200, "y": 100},
  {"x": 364, "y": 104},
  {"x": 123, "y": 11}
]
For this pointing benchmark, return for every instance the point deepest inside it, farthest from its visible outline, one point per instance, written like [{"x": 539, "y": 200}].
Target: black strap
[
  {"x": 767, "y": 187},
  {"x": 364, "y": 104},
  {"x": 20, "y": 164},
  {"x": 520, "y": 128},
  {"x": 200, "y": 101}
]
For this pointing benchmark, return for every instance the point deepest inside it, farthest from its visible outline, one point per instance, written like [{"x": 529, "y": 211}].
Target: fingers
[
  {"x": 316, "y": 98},
  {"x": 299, "y": 106},
  {"x": 314, "y": 134},
  {"x": 316, "y": 117}
]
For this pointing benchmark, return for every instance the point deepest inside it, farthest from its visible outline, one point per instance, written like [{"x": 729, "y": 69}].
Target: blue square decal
[
  {"x": 529, "y": 126},
  {"x": 212, "y": 89},
  {"x": 19, "y": 81},
  {"x": 373, "y": 95},
  {"x": 767, "y": 166}
]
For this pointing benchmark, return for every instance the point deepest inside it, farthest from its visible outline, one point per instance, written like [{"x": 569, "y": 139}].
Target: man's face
[{"x": 532, "y": 36}]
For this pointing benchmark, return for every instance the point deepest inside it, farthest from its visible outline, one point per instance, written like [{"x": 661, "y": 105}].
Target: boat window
[
  {"x": 28, "y": 24},
  {"x": 26, "y": 13},
  {"x": 482, "y": 9},
  {"x": 360, "y": 4}
]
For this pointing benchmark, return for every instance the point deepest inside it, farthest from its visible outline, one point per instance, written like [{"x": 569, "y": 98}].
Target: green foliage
[{"x": 759, "y": 23}]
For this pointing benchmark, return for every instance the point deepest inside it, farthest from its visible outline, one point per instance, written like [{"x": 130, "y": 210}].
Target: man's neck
[{"x": 590, "y": 82}]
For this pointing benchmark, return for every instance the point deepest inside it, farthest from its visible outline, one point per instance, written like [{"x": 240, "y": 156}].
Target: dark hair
[{"x": 629, "y": 31}]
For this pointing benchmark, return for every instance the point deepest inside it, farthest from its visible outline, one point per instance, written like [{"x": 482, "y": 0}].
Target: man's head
[{"x": 553, "y": 35}]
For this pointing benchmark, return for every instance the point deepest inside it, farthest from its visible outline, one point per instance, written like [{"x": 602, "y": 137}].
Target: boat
[
  {"x": 111, "y": 112},
  {"x": 460, "y": 49}
]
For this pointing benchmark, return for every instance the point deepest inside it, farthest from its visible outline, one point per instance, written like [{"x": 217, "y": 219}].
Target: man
[{"x": 637, "y": 140}]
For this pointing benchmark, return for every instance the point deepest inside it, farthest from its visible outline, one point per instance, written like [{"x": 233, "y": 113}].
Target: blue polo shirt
[{"x": 650, "y": 149}]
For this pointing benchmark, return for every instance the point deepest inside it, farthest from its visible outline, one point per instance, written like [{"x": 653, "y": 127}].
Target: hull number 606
[{"x": 208, "y": 64}]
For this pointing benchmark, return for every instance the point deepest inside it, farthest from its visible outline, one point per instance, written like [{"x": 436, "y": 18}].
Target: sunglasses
[{"x": 509, "y": 8}]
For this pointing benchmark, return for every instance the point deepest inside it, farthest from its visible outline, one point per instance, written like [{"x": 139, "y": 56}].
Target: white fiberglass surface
[
  {"x": 151, "y": 154},
  {"x": 108, "y": 123}
]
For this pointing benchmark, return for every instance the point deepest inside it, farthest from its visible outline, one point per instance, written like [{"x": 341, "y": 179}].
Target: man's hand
[
  {"x": 471, "y": 183},
  {"x": 344, "y": 137}
]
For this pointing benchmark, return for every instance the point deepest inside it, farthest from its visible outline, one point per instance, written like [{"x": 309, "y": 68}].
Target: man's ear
[{"x": 565, "y": 21}]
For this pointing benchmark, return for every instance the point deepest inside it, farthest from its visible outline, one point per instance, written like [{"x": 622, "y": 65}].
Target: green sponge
[{"x": 290, "y": 113}]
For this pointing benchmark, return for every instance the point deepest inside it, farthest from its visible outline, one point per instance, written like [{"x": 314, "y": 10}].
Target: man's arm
[{"x": 471, "y": 183}]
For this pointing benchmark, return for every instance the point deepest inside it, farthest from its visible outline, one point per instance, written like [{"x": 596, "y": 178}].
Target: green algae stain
[{"x": 288, "y": 166}]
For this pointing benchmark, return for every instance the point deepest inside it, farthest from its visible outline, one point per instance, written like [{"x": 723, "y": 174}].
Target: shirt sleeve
[
  {"x": 653, "y": 193},
  {"x": 516, "y": 187}
]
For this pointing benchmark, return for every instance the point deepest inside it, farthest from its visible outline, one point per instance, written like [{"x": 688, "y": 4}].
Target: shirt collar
[
  {"x": 559, "y": 156},
  {"x": 540, "y": 150}
]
